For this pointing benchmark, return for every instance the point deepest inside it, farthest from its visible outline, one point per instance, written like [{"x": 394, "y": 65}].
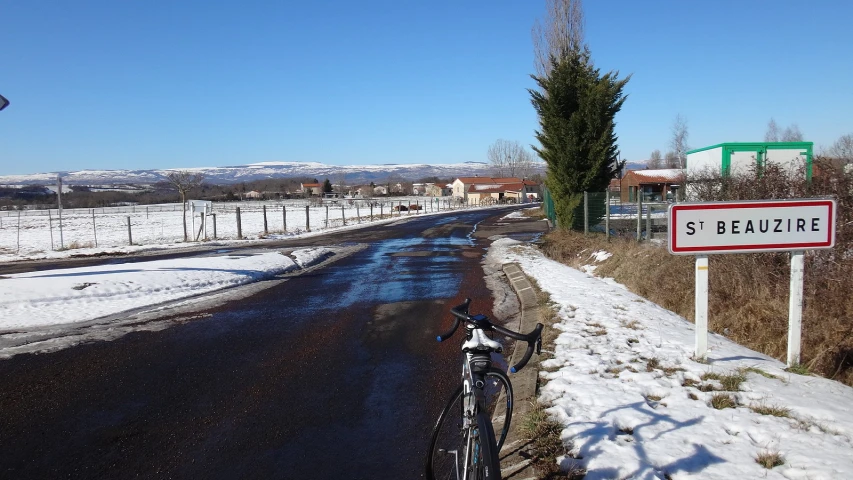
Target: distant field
[{"x": 34, "y": 232}]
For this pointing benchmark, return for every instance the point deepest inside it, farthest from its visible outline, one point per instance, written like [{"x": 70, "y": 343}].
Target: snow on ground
[
  {"x": 52, "y": 297},
  {"x": 635, "y": 405}
]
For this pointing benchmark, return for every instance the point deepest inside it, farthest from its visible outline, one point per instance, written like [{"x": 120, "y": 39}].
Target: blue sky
[{"x": 107, "y": 84}]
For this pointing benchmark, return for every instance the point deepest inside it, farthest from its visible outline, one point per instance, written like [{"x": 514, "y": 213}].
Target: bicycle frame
[{"x": 477, "y": 360}]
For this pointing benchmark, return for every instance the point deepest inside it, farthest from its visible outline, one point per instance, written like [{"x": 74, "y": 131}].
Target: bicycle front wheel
[{"x": 450, "y": 439}]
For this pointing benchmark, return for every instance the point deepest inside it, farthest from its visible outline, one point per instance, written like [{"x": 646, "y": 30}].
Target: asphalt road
[{"x": 332, "y": 374}]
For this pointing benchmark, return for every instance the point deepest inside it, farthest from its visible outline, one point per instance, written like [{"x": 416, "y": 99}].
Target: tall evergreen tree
[
  {"x": 577, "y": 106},
  {"x": 327, "y": 186}
]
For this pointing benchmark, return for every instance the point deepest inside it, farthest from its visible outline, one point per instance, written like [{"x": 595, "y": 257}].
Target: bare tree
[
  {"x": 671, "y": 160},
  {"x": 772, "y": 133},
  {"x": 561, "y": 33},
  {"x": 792, "y": 134},
  {"x": 655, "y": 160},
  {"x": 510, "y": 159},
  {"x": 679, "y": 145},
  {"x": 843, "y": 148},
  {"x": 184, "y": 181}
]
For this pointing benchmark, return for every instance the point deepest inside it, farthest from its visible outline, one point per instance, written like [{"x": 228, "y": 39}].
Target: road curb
[{"x": 517, "y": 453}]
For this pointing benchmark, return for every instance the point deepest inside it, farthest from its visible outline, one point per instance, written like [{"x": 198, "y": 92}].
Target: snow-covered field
[
  {"x": 635, "y": 405},
  {"x": 86, "y": 231}
]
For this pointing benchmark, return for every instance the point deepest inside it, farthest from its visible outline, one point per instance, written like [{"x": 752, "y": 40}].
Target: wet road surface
[{"x": 332, "y": 374}]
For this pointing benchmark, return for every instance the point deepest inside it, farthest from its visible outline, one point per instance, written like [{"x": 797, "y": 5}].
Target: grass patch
[
  {"x": 753, "y": 305},
  {"x": 730, "y": 383},
  {"x": 722, "y": 400},
  {"x": 759, "y": 371},
  {"x": 633, "y": 325},
  {"x": 774, "y": 410},
  {"x": 544, "y": 433},
  {"x": 769, "y": 459},
  {"x": 799, "y": 369},
  {"x": 652, "y": 364}
]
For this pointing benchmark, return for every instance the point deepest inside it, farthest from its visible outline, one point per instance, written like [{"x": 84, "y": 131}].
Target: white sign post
[
  {"x": 748, "y": 227},
  {"x": 203, "y": 208}
]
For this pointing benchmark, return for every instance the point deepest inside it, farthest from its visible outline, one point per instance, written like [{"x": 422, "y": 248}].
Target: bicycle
[{"x": 463, "y": 444}]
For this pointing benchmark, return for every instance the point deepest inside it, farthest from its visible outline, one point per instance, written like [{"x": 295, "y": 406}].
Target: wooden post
[
  {"x": 639, "y": 215},
  {"x": 94, "y": 228},
  {"x": 284, "y": 219},
  {"x": 649, "y": 222},
  {"x": 357, "y": 213},
  {"x": 343, "y": 215},
  {"x": 129, "y": 235},
  {"x": 585, "y": 213},
  {"x": 239, "y": 226},
  {"x": 18, "y": 249},
  {"x": 49, "y": 226},
  {"x": 214, "y": 225},
  {"x": 327, "y": 216},
  {"x": 307, "y": 219},
  {"x": 795, "y": 308},
  {"x": 266, "y": 230},
  {"x": 371, "y": 211}
]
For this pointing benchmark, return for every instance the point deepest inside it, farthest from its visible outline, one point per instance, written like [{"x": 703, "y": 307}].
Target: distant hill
[{"x": 259, "y": 171}]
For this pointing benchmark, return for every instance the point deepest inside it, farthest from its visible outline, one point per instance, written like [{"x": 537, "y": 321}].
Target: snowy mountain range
[
  {"x": 352, "y": 174},
  {"x": 260, "y": 171}
]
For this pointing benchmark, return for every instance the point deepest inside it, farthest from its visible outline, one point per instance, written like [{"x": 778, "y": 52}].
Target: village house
[
  {"x": 311, "y": 189},
  {"x": 490, "y": 190},
  {"x": 655, "y": 185}
]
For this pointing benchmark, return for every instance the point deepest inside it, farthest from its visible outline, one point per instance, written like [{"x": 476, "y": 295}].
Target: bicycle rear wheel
[{"x": 447, "y": 449}]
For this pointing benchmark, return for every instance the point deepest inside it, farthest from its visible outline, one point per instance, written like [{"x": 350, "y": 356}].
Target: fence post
[
  {"x": 357, "y": 214},
  {"x": 214, "y": 225},
  {"x": 381, "y": 209},
  {"x": 307, "y": 219},
  {"x": 585, "y": 213},
  {"x": 61, "y": 238},
  {"x": 94, "y": 228},
  {"x": 649, "y": 223},
  {"x": 327, "y": 216},
  {"x": 146, "y": 213},
  {"x": 18, "y": 249},
  {"x": 607, "y": 214},
  {"x": 343, "y": 215},
  {"x": 266, "y": 230},
  {"x": 639, "y": 213},
  {"x": 129, "y": 234},
  {"x": 283, "y": 219},
  {"x": 371, "y": 211},
  {"x": 50, "y": 226},
  {"x": 239, "y": 226}
]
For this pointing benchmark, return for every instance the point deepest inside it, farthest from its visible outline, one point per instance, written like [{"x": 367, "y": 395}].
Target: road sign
[{"x": 751, "y": 226}]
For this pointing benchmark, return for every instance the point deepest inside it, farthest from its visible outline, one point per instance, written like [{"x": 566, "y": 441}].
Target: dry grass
[
  {"x": 748, "y": 296},
  {"x": 774, "y": 410},
  {"x": 730, "y": 383},
  {"x": 544, "y": 433},
  {"x": 769, "y": 459},
  {"x": 722, "y": 400}
]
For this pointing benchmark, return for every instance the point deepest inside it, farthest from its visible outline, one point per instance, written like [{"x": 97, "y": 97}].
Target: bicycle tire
[
  {"x": 488, "y": 462},
  {"x": 448, "y": 435}
]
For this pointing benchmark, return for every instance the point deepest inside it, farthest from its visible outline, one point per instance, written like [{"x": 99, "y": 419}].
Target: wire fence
[
  {"x": 35, "y": 231},
  {"x": 605, "y": 212}
]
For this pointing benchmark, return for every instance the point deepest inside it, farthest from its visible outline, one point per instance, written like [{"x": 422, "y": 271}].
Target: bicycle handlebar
[{"x": 533, "y": 339}]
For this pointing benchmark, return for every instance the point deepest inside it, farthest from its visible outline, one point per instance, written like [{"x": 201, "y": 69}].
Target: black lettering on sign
[
  {"x": 763, "y": 227},
  {"x": 801, "y": 224},
  {"x": 736, "y": 226},
  {"x": 778, "y": 227},
  {"x": 690, "y": 228},
  {"x": 749, "y": 227},
  {"x": 789, "y": 224},
  {"x": 815, "y": 228},
  {"x": 721, "y": 228}
]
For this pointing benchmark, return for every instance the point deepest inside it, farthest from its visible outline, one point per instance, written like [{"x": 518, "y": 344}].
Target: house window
[{"x": 632, "y": 194}]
